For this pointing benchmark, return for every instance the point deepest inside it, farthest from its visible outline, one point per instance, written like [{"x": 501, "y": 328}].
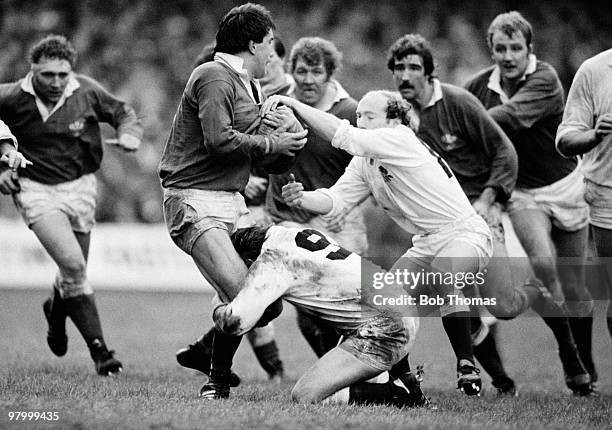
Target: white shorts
[
  {"x": 562, "y": 201},
  {"x": 472, "y": 230},
  {"x": 191, "y": 212},
  {"x": 76, "y": 199},
  {"x": 599, "y": 199}
]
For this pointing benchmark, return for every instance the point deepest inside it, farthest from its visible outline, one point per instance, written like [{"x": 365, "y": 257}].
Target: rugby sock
[
  {"x": 400, "y": 368},
  {"x": 457, "y": 327},
  {"x": 269, "y": 359},
  {"x": 224, "y": 348},
  {"x": 488, "y": 356},
  {"x": 582, "y": 330},
  {"x": 206, "y": 341},
  {"x": 366, "y": 393},
  {"x": 83, "y": 312}
]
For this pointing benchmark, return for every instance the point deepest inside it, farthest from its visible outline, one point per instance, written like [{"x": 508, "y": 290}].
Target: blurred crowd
[{"x": 144, "y": 51}]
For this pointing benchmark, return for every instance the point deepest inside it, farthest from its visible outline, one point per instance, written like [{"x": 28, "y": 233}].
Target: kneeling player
[{"x": 324, "y": 280}]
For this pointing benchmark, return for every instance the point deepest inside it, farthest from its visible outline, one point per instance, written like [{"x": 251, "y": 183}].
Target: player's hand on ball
[
  {"x": 283, "y": 142},
  {"x": 272, "y": 102},
  {"x": 292, "y": 192}
]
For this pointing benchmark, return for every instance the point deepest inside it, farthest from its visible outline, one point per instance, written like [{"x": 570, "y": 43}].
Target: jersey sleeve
[
  {"x": 350, "y": 190},
  {"x": 382, "y": 143},
  {"x": 579, "y": 113},
  {"x": 267, "y": 280}
]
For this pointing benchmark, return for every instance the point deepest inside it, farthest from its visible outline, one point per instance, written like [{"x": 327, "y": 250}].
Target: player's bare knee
[
  {"x": 73, "y": 269},
  {"x": 302, "y": 394}
]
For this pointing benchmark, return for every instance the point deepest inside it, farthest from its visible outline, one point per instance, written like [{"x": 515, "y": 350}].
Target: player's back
[{"x": 325, "y": 278}]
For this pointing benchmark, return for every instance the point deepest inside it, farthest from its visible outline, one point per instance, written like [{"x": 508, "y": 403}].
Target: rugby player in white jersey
[
  {"x": 324, "y": 280},
  {"x": 418, "y": 191}
]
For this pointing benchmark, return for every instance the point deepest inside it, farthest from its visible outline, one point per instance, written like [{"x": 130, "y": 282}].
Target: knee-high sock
[
  {"x": 582, "y": 330},
  {"x": 457, "y": 327},
  {"x": 366, "y": 393},
  {"x": 224, "y": 349},
  {"x": 269, "y": 358},
  {"x": 83, "y": 312},
  {"x": 488, "y": 356}
]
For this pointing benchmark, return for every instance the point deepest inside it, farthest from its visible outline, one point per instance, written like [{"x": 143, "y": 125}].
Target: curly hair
[
  {"x": 397, "y": 107},
  {"x": 509, "y": 23},
  {"x": 242, "y": 24},
  {"x": 314, "y": 51},
  {"x": 53, "y": 46},
  {"x": 411, "y": 44}
]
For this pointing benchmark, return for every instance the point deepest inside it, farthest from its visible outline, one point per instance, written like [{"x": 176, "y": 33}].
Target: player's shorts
[
  {"x": 562, "y": 201},
  {"x": 191, "y": 212},
  {"x": 599, "y": 199},
  {"x": 76, "y": 199},
  {"x": 472, "y": 230},
  {"x": 381, "y": 341}
]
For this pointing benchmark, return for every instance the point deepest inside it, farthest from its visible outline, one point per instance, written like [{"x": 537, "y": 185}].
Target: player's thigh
[
  {"x": 219, "y": 262},
  {"x": 532, "y": 227},
  {"x": 55, "y": 233},
  {"x": 335, "y": 370}
]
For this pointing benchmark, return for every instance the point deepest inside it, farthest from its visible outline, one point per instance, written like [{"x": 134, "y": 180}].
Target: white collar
[
  {"x": 45, "y": 113},
  {"x": 341, "y": 94},
  {"x": 495, "y": 78},
  {"x": 436, "y": 94},
  {"x": 234, "y": 61}
]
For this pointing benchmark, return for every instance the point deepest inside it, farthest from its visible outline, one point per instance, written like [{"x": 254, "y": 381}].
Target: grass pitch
[{"x": 154, "y": 392}]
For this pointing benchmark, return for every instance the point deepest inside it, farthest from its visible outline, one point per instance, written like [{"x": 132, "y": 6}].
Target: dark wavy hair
[
  {"x": 411, "y": 44},
  {"x": 242, "y": 24},
  {"x": 248, "y": 242},
  {"x": 53, "y": 46},
  {"x": 314, "y": 51}
]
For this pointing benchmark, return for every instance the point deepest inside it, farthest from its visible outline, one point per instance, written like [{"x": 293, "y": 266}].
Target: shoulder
[
  {"x": 479, "y": 79},
  {"x": 211, "y": 71},
  {"x": 544, "y": 74},
  {"x": 345, "y": 107},
  {"x": 10, "y": 90},
  {"x": 460, "y": 97},
  {"x": 87, "y": 83}
]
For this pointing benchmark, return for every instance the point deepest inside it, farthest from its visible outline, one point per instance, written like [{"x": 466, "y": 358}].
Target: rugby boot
[
  {"x": 506, "y": 388},
  {"x": 55, "y": 315},
  {"x": 214, "y": 390},
  {"x": 414, "y": 396},
  {"x": 104, "y": 360},
  {"x": 577, "y": 378},
  {"x": 197, "y": 356},
  {"x": 468, "y": 378}
]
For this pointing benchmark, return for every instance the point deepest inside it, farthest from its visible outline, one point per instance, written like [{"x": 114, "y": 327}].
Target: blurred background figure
[
  {"x": 55, "y": 115},
  {"x": 586, "y": 130},
  {"x": 550, "y": 217}
]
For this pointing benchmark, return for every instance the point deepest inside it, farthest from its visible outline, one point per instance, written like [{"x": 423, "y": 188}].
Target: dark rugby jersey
[
  {"x": 530, "y": 119},
  {"x": 67, "y": 145}
]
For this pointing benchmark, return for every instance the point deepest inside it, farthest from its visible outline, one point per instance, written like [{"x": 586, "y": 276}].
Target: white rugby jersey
[
  {"x": 410, "y": 181},
  {"x": 305, "y": 269}
]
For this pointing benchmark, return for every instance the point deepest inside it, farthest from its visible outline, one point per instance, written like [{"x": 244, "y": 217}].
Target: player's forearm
[
  {"x": 231, "y": 323},
  {"x": 577, "y": 142},
  {"x": 323, "y": 123},
  {"x": 316, "y": 202}
]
